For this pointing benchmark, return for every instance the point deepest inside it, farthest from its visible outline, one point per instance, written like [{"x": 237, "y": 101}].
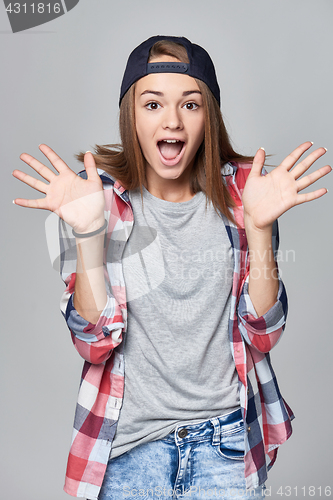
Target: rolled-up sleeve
[
  {"x": 265, "y": 331},
  {"x": 94, "y": 342},
  {"x": 109, "y": 320}
]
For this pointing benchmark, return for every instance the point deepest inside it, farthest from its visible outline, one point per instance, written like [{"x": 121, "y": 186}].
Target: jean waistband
[{"x": 210, "y": 428}]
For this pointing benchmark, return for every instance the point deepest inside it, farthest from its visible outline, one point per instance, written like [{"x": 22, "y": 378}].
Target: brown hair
[{"x": 126, "y": 163}]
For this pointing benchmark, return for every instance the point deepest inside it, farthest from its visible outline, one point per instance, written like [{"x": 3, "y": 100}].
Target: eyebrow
[{"x": 160, "y": 94}]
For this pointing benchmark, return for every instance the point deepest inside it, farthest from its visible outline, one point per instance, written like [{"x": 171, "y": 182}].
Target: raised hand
[
  {"x": 265, "y": 198},
  {"x": 79, "y": 202}
]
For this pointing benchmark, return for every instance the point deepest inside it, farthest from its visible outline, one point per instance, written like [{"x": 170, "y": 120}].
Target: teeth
[{"x": 172, "y": 141}]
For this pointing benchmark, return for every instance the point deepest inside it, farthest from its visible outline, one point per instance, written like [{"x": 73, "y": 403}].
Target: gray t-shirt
[{"x": 178, "y": 269}]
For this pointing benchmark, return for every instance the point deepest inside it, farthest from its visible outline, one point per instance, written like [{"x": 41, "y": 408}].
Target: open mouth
[{"x": 170, "y": 150}]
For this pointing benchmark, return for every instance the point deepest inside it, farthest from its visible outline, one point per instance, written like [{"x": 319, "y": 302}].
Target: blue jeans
[{"x": 194, "y": 462}]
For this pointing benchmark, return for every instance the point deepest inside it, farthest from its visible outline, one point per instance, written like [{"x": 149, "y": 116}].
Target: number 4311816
[
  {"x": 304, "y": 491},
  {"x": 38, "y": 8}
]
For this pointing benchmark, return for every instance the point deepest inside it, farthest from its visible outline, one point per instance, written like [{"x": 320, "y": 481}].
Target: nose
[{"x": 172, "y": 119}]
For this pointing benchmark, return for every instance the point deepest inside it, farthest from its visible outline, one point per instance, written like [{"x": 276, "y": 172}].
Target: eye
[
  {"x": 152, "y": 105},
  {"x": 191, "y": 105}
]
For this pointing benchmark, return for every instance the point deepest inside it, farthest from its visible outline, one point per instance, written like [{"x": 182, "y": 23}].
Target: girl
[{"x": 189, "y": 227}]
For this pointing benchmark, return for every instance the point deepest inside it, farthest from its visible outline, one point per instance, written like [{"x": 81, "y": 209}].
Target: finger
[
  {"x": 258, "y": 162},
  {"x": 30, "y": 181},
  {"x": 39, "y": 167},
  {"x": 56, "y": 161},
  {"x": 90, "y": 166},
  {"x": 39, "y": 203},
  {"x": 313, "y": 177},
  {"x": 303, "y": 198},
  {"x": 291, "y": 159},
  {"x": 305, "y": 164}
]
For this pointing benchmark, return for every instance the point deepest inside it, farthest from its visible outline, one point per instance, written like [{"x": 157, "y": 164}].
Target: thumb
[
  {"x": 90, "y": 166},
  {"x": 258, "y": 162}
]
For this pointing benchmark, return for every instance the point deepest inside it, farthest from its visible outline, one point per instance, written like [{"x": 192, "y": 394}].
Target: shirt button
[{"x": 182, "y": 433}]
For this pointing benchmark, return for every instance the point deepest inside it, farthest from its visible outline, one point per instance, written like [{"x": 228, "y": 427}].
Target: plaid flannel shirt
[{"x": 266, "y": 415}]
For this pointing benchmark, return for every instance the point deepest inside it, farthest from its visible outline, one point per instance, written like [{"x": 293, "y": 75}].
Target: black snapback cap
[{"x": 200, "y": 65}]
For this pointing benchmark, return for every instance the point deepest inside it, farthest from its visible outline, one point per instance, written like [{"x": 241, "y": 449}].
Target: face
[{"x": 169, "y": 119}]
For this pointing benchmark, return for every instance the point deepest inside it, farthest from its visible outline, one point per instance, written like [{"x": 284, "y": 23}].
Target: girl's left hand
[{"x": 266, "y": 197}]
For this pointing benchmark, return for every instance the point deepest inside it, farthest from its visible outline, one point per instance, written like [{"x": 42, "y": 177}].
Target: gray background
[{"x": 60, "y": 84}]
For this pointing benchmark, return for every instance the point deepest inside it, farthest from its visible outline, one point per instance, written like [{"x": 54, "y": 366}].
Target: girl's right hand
[{"x": 79, "y": 202}]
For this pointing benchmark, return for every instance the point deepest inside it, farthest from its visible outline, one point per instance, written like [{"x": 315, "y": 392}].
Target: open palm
[
  {"x": 265, "y": 198},
  {"x": 79, "y": 202}
]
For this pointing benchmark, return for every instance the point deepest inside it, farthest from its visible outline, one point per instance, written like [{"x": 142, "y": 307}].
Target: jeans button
[{"x": 182, "y": 433}]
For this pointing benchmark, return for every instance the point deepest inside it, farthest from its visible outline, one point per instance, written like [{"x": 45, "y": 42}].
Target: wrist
[
  {"x": 252, "y": 228},
  {"x": 96, "y": 228}
]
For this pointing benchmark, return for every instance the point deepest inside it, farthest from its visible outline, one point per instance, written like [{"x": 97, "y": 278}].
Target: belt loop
[{"x": 216, "y": 437}]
